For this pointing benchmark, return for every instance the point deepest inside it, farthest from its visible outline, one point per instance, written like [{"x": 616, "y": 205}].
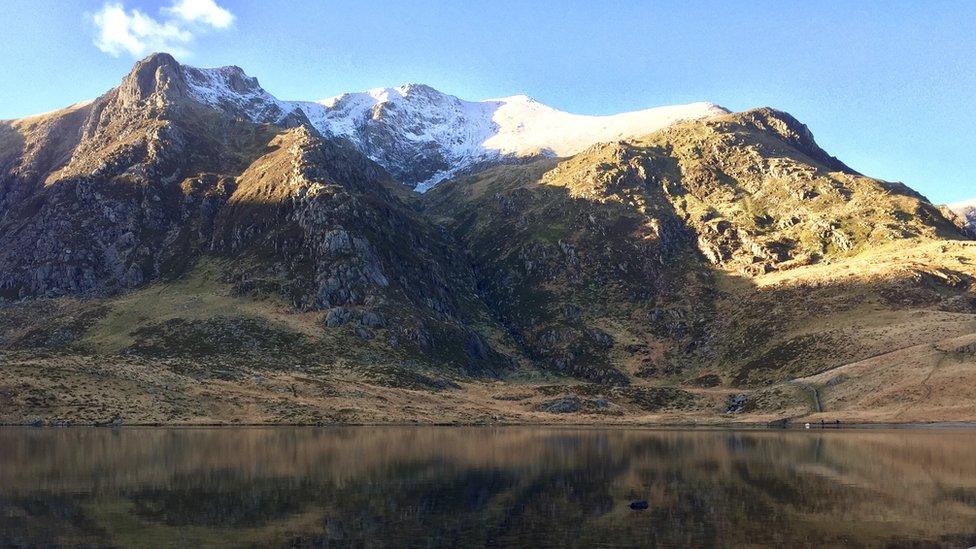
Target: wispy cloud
[
  {"x": 121, "y": 31},
  {"x": 203, "y": 11}
]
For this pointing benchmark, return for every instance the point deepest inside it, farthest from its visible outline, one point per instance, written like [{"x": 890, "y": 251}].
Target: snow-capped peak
[
  {"x": 423, "y": 136},
  {"x": 231, "y": 90},
  {"x": 964, "y": 205},
  {"x": 967, "y": 211}
]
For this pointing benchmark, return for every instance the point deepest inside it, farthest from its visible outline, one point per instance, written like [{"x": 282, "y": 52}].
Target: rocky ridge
[{"x": 423, "y": 136}]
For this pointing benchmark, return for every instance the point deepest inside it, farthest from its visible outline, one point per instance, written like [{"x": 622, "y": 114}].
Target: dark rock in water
[
  {"x": 35, "y": 423},
  {"x": 735, "y": 403},
  {"x": 116, "y": 421},
  {"x": 639, "y": 505},
  {"x": 563, "y": 405},
  {"x": 779, "y": 423}
]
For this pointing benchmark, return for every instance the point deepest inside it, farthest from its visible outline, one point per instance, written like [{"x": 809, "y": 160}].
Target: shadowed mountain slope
[{"x": 621, "y": 257}]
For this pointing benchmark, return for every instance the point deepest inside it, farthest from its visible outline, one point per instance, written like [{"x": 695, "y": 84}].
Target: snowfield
[
  {"x": 424, "y": 136},
  {"x": 967, "y": 211}
]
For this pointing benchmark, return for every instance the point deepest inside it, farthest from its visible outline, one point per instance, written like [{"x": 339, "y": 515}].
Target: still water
[{"x": 472, "y": 487}]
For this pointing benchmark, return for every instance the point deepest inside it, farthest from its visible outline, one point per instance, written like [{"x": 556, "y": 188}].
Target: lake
[{"x": 485, "y": 486}]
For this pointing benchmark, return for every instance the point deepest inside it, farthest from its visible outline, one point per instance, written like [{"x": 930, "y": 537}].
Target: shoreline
[{"x": 731, "y": 426}]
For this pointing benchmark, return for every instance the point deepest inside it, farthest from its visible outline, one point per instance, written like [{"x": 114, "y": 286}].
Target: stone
[
  {"x": 563, "y": 405},
  {"x": 735, "y": 403},
  {"x": 706, "y": 381},
  {"x": 601, "y": 338},
  {"x": 475, "y": 347},
  {"x": 372, "y": 319},
  {"x": 337, "y": 316}
]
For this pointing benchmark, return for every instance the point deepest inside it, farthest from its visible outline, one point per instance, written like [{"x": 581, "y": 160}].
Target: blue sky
[{"x": 888, "y": 87}]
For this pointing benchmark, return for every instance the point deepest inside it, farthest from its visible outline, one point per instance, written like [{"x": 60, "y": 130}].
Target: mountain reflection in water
[{"x": 484, "y": 486}]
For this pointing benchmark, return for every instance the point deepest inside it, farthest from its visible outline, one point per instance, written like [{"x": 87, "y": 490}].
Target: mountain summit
[
  {"x": 420, "y": 135},
  {"x": 423, "y": 136}
]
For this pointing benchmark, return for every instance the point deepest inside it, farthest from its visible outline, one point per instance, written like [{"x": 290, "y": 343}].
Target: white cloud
[
  {"x": 133, "y": 32},
  {"x": 203, "y": 11}
]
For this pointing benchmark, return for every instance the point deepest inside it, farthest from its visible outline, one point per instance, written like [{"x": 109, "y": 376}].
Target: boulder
[{"x": 564, "y": 405}]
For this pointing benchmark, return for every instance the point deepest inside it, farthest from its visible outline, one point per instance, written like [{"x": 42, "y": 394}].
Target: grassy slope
[{"x": 924, "y": 364}]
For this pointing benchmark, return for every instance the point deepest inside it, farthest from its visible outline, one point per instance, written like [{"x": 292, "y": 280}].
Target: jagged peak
[
  {"x": 789, "y": 129},
  {"x": 157, "y": 73},
  {"x": 155, "y": 60},
  {"x": 230, "y": 76},
  {"x": 417, "y": 88},
  {"x": 405, "y": 92},
  {"x": 966, "y": 210},
  {"x": 421, "y": 135}
]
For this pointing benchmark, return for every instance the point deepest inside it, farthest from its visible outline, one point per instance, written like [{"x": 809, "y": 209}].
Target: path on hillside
[{"x": 925, "y": 382}]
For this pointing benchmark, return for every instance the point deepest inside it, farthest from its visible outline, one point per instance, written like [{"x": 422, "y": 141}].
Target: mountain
[
  {"x": 154, "y": 183},
  {"x": 967, "y": 212},
  {"x": 188, "y": 249}
]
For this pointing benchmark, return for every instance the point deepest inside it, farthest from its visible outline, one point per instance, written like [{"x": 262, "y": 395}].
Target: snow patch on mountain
[
  {"x": 967, "y": 211},
  {"x": 230, "y": 90},
  {"x": 527, "y": 126},
  {"x": 450, "y": 135},
  {"x": 423, "y": 136}
]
